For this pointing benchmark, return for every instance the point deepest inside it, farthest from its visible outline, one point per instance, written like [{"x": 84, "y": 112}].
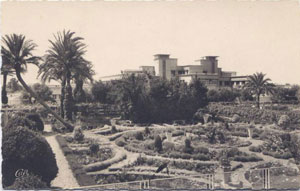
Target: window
[{"x": 173, "y": 72}]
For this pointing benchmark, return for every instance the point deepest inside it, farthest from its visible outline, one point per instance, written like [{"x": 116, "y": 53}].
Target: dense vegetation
[
  {"x": 42, "y": 90},
  {"x": 153, "y": 100},
  {"x": 23, "y": 148}
]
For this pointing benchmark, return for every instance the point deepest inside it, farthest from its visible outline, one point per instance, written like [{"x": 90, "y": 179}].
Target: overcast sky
[{"x": 247, "y": 36}]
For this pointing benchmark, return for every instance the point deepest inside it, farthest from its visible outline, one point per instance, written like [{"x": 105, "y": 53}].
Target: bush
[
  {"x": 177, "y": 133},
  {"x": 158, "y": 143},
  {"x": 28, "y": 182},
  {"x": 283, "y": 120},
  {"x": 201, "y": 156},
  {"x": 251, "y": 158},
  {"x": 78, "y": 134},
  {"x": 235, "y": 118},
  {"x": 24, "y": 149},
  {"x": 255, "y": 149},
  {"x": 147, "y": 131},
  {"x": 94, "y": 148},
  {"x": 113, "y": 129},
  {"x": 237, "y": 167},
  {"x": 37, "y": 123},
  {"x": 120, "y": 142},
  {"x": 31, "y": 121},
  {"x": 188, "y": 147},
  {"x": 202, "y": 150},
  {"x": 58, "y": 127},
  {"x": 139, "y": 136}
]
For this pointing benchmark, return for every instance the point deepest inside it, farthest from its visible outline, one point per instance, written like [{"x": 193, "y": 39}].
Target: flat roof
[{"x": 161, "y": 54}]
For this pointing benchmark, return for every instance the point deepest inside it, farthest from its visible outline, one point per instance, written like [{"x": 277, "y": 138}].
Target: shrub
[
  {"x": 236, "y": 118},
  {"x": 251, "y": 158},
  {"x": 28, "y": 182},
  {"x": 113, "y": 129},
  {"x": 237, "y": 167},
  {"x": 177, "y": 133},
  {"x": 57, "y": 126},
  {"x": 255, "y": 149},
  {"x": 24, "y": 149},
  {"x": 187, "y": 146},
  {"x": 94, "y": 148},
  {"x": 201, "y": 156},
  {"x": 120, "y": 142},
  {"x": 233, "y": 152},
  {"x": 158, "y": 143},
  {"x": 78, "y": 134},
  {"x": 31, "y": 121},
  {"x": 37, "y": 123},
  {"x": 147, "y": 131},
  {"x": 202, "y": 150},
  {"x": 139, "y": 136},
  {"x": 283, "y": 120}
]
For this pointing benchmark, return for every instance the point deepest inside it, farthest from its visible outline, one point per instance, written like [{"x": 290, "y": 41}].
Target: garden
[{"x": 139, "y": 127}]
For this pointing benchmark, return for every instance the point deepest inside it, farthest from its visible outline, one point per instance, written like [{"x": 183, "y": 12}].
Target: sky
[{"x": 248, "y": 36}]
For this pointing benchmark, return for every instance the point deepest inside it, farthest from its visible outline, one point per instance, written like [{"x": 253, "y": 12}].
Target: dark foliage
[
  {"x": 158, "y": 143},
  {"x": 100, "y": 92},
  {"x": 42, "y": 90},
  {"x": 37, "y": 123},
  {"x": 94, "y": 148},
  {"x": 222, "y": 95},
  {"x": 28, "y": 182},
  {"x": 144, "y": 100},
  {"x": 24, "y": 149},
  {"x": 31, "y": 121}
]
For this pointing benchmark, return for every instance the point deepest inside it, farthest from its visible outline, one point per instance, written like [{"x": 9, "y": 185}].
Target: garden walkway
[{"x": 64, "y": 178}]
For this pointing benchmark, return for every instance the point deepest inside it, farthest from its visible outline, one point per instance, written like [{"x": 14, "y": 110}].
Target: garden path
[{"x": 64, "y": 178}]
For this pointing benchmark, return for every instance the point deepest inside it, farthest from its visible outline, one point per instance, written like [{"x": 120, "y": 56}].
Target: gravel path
[{"x": 64, "y": 178}]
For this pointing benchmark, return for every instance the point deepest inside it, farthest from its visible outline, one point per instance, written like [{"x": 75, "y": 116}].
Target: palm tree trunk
[
  {"x": 33, "y": 94},
  {"x": 62, "y": 98},
  {"x": 68, "y": 102},
  {"x": 4, "y": 93},
  {"x": 258, "y": 101}
]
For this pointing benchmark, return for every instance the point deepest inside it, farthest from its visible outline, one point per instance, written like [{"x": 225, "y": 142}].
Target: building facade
[{"x": 207, "y": 70}]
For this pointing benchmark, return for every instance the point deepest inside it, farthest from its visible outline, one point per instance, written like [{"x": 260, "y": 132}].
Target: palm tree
[
  {"x": 54, "y": 71},
  {"x": 5, "y": 71},
  {"x": 259, "y": 85},
  {"x": 63, "y": 58},
  {"x": 18, "y": 52},
  {"x": 83, "y": 72}
]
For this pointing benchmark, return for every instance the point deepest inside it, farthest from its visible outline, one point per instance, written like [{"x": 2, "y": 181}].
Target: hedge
[{"x": 22, "y": 148}]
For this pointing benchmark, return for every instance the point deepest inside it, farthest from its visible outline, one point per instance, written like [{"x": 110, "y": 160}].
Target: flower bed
[
  {"x": 247, "y": 113},
  {"x": 82, "y": 178},
  {"x": 200, "y": 167}
]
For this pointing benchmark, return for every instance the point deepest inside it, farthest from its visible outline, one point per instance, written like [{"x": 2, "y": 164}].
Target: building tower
[{"x": 165, "y": 65}]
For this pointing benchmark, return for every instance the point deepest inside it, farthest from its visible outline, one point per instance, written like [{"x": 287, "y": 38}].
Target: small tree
[
  {"x": 259, "y": 85},
  {"x": 147, "y": 131},
  {"x": 187, "y": 146},
  {"x": 14, "y": 85},
  {"x": 100, "y": 92},
  {"x": 78, "y": 134},
  {"x": 43, "y": 91},
  {"x": 158, "y": 143},
  {"x": 94, "y": 149}
]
